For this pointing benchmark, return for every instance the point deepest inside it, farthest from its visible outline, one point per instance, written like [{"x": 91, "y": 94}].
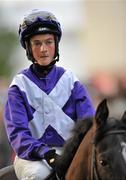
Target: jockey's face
[{"x": 43, "y": 48}]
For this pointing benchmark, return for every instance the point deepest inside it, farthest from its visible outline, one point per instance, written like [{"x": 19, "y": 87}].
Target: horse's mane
[{"x": 71, "y": 145}]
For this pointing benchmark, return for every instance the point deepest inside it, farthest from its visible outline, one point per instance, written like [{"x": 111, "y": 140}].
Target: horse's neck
[{"x": 80, "y": 166}]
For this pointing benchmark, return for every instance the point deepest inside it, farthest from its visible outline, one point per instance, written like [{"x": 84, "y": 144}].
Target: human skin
[{"x": 43, "y": 48}]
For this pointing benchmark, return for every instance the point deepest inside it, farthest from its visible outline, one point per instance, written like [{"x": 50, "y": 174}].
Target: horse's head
[
  {"x": 101, "y": 154},
  {"x": 109, "y": 145}
]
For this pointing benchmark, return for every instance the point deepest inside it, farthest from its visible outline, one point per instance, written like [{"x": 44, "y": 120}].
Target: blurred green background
[{"x": 8, "y": 42}]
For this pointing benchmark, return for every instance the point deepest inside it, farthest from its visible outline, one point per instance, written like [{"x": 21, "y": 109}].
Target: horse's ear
[
  {"x": 102, "y": 113},
  {"x": 124, "y": 117}
]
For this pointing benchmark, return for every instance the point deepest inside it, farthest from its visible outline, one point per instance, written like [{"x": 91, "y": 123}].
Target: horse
[{"x": 96, "y": 150}]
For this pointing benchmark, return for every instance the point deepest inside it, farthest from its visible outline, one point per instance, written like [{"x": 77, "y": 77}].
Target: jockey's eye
[{"x": 38, "y": 43}]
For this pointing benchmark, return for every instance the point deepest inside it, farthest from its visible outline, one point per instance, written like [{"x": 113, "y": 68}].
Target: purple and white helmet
[{"x": 39, "y": 22}]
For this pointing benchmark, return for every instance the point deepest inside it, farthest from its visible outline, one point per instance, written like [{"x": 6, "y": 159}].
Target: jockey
[{"x": 44, "y": 100}]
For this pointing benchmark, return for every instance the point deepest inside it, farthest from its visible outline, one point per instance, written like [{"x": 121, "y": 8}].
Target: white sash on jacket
[{"x": 48, "y": 107}]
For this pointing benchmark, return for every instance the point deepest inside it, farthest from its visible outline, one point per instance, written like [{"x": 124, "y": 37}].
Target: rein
[{"x": 94, "y": 172}]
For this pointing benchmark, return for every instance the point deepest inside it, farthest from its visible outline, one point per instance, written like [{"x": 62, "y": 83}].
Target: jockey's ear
[{"x": 102, "y": 113}]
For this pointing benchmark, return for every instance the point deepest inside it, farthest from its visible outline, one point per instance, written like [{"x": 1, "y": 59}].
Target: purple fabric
[
  {"x": 48, "y": 83},
  {"x": 52, "y": 137},
  {"x": 18, "y": 113},
  {"x": 79, "y": 104}
]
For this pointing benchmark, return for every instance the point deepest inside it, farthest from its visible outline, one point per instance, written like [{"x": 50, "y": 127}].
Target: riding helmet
[{"x": 39, "y": 22}]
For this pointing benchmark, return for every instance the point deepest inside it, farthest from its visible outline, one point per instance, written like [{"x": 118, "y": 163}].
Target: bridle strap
[
  {"x": 94, "y": 172},
  {"x": 57, "y": 177},
  {"x": 115, "y": 132},
  {"x": 93, "y": 165}
]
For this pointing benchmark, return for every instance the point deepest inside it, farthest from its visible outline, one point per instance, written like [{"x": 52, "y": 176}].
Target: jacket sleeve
[
  {"x": 16, "y": 122},
  {"x": 83, "y": 103}
]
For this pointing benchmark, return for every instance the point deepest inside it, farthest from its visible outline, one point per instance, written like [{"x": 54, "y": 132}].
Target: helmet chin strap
[
  {"x": 42, "y": 71},
  {"x": 49, "y": 66}
]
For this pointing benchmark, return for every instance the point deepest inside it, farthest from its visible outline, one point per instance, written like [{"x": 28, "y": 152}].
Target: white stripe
[
  {"x": 123, "y": 144},
  {"x": 48, "y": 110},
  {"x": 64, "y": 85}
]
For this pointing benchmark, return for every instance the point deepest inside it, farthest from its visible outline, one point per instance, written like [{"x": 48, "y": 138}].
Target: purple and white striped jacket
[{"x": 40, "y": 113}]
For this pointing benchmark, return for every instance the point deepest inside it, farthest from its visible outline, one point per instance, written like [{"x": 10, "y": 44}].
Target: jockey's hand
[{"x": 51, "y": 157}]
